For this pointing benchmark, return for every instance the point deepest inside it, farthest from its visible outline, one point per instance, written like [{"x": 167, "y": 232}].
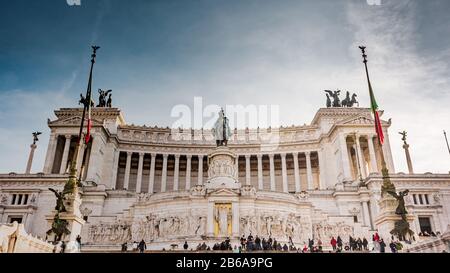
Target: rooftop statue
[
  {"x": 221, "y": 130},
  {"x": 102, "y": 97},
  {"x": 335, "y": 96},
  {"x": 347, "y": 102}
]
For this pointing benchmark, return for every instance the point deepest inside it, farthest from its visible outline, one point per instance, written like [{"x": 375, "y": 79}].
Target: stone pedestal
[
  {"x": 385, "y": 222},
  {"x": 222, "y": 172},
  {"x": 73, "y": 216}
]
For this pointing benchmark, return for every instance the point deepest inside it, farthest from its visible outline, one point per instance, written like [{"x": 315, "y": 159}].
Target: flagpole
[
  {"x": 446, "y": 140},
  {"x": 72, "y": 184},
  {"x": 387, "y": 184}
]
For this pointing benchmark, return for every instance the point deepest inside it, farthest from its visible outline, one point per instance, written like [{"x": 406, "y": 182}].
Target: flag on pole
[
  {"x": 374, "y": 106},
  {"x": 89, "y": 119}
]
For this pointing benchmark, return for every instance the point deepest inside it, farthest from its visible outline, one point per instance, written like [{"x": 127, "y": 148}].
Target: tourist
[
  {"x": 339, "y": 243},
  {"x": 264, "y": 244},
  {"x": 257, "y": 243},
  {"x": 236, "y": 249},
  {"x": 376, "y": 237},
  {"x": 185, "y": 246},
  {"x": 382, "y": 246},
  {"x": 243, "y": 241},
  {"x": 333, "y": 243},
  {"x": 399, "y": 246},
  {"x": 227, "y": 243},
  {"x": 269, "y": 243},
  {"x": 365, "y": 243},
  {"x": 142, "y": 246},
  {"x": 305, "y": 249},
  {"x": 78, "y": 239},
  {"x": 63, "y": 247},
  {"x": 285, "y": 247},
  {"x": 393, "y": 247},
  {"x": 311, "y": 244},
  {"x": 204, "y": 247},
  {"x": 350, "y": 243},
  {"x": 360, "y": 244},
  {"x": 135, "y": 246},
  {"x": 124, "y": 247}
]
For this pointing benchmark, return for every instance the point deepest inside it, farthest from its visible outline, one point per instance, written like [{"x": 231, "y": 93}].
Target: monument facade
[{"x": 168, "y": 186}]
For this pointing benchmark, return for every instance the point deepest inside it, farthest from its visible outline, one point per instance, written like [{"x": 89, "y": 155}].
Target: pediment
[
  {"x": 362, "y": 120},
  {"x": 224, "y": 192},
  {"x": 359, "y": 120},
  {"x": 73, "y": 121}
]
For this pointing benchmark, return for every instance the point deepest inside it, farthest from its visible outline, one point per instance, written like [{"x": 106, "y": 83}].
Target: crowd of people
[{"x": 251, "y": 243}]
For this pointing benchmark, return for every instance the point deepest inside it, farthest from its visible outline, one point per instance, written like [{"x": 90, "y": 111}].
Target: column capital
[
  {"x": 200, "y": 157},
  {"x": 247, "y": 156},
  {"x": 68, "y": 136},
  {"x": 259, "y": 156},
  {"x": 271, "y": 156},
  {"x": 308, "y": 153},
  {"x": 153, "y": 155},
  {"x": 165, "y": 156},
  {"x": 129, "y": 153},
  {"x": 295, "y": 154},
  {"x": 177, "y": 156},
  {"x": 141, "y": 154},
  {"x": 189, "y": 156},
  {"x": 283, "y": 155}
]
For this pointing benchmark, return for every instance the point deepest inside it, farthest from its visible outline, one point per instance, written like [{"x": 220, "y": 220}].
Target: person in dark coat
[
  {"x": 339, "y": 242},
  {"x": 257, "y": 243},
  {"x": 311, "y": 244},
  {"x": 142, "y": 246},
  {"x": 124, "y": 247},
  {"x": 185, "y": 246},
  {"x": 365, "y": 243},
  {"x": 382, "y": 246},
  {"x": 393, "y": 247},
  {"x": 360, "y": 244}
]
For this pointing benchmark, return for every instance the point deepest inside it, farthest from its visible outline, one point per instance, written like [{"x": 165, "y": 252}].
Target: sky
[{"x": 158, "y": 54}]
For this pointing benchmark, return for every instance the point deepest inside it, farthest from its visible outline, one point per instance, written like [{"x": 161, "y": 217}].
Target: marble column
[
  {"x": 272, "y": 172},
  {"x": 373, "y": 158},
  {"x": 236, "y": 167},
  {"x": 210, "y": 220},
  {"x": 151, "y": 178},
  {"x": 50, "y": 156},
  {"x": 345, "y": 158},
  {"x": 362, "y": 165},
  {"x": 63, "y": 168},
  {"x": 176, "y": 173},
  {"x": 247, "y": 170},
  {"x": 115, "y": 166},
  {"x": 30, "y": 158},
  {"x": 321, "y": 169},
  {"x": 284, "y": 172},
  {"x": 309, "y": 171},
  {"x": 200, "y": 170},
  {"x": 139, "y": 174},
  {"x": 366, "y": 213},
  {"x": 164, "y": 174},
  {"x": 388, "y": 153},
  {"x": 296, "y": 173},
  {"x": 260, "y": 173},
  {"x": 127, "y": 171},
  {"x": 188, "y": 171},
  {"x": 235, "y": 219}
]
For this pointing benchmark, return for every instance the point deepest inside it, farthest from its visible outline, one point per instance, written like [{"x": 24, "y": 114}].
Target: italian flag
[
  {"x": 374, "y": 106},
  {"x": 89, "y": 119}
]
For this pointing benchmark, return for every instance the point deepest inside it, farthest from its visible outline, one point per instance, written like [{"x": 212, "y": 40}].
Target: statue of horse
[
  {"x": 346, "y": 102},
  {"x": 353, "y": 101}
]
